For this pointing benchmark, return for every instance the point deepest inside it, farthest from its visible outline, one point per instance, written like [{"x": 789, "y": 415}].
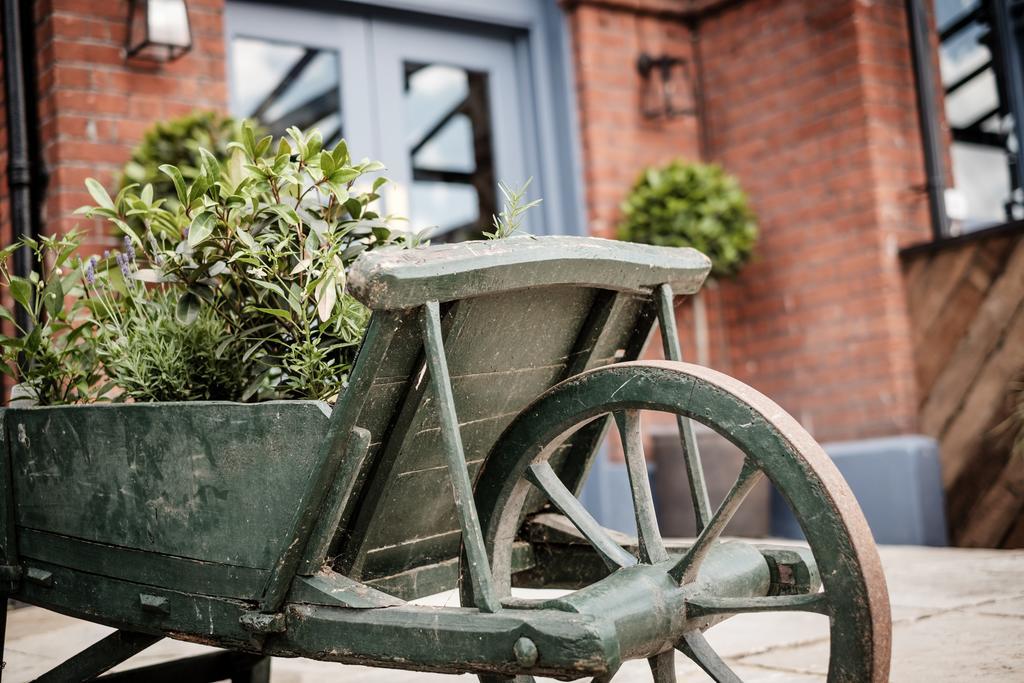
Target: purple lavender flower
[
  {"x": 122, "y": 263},
  {"x": 184, "y": 233},
  {"x": 129, "y": 248},
  {"x": 90, "y": 271},
  {"x": 106, "y": 254}
]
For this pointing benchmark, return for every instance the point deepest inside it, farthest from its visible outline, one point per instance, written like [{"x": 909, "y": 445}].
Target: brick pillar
[
  {"x": 618, "y": 142},
  {"x": 812, "y": 105},
  {"x": 94, "y": 106}
]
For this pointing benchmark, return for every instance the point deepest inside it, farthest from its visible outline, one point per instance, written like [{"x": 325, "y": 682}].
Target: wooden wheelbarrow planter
[{"x": 295, "y": 529}]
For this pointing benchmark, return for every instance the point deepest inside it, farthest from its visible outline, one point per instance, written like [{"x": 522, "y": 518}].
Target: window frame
[
  {"x": 931, "y": 103},
  {"x": 542, "y": 51}
]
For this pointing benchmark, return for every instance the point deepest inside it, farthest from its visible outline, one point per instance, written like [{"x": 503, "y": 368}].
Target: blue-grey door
[{"x": 450, "y": 108}]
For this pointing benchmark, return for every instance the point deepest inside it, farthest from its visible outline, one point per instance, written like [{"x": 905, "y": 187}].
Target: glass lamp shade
[{"x": 158, "y": 30}]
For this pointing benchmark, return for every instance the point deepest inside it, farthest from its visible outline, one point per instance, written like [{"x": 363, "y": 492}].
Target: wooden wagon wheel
[{"x": 854, "y": 593}]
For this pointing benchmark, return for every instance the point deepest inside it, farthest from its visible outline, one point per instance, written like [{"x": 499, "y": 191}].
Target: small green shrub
[
  {"x": 150, "y": 355},
  {"x": 508, "y": 222},
  {"x": 236, "y": 290},
  {"x": 55, "y": 358},
  {"x": 177, "y": 142},
  {"x": 692, "y": 205}
]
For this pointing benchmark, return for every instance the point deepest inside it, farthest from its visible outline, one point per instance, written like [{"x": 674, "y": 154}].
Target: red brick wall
[
  {"x": 617, "y": 140},
  {"x": 811, "y": 104},
  {"x": 94, "y": 106}
]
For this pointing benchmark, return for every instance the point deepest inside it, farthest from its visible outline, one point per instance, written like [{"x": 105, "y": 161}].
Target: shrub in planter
[
  {"x": 692, "y": 205},
  {"x": 234, "y": 291},
  {"x": 177, "y": 142}
]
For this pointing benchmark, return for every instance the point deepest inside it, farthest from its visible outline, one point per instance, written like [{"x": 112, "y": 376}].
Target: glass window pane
[
  {"x": 947, "y": 11},
  {"x": 980, "y": 124},
  {"x": 974, "y": 101},
  {"x": 983, "y": 179},
  {"x": 285, "y": 84},
  {"x": 448, "y": 135}
]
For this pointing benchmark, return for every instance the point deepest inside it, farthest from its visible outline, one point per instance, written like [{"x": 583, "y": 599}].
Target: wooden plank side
[
  {"x": 117, "y": 603},
  {"x": 945, "y": 272},
  {"x": 143, "y": 567},
  {"x": 503, "y": 351},
  {"x": 402, "y": 278},
  {"x": 949, "y": 324},
  {"x": 9, "y": 538},
  {"x": 941, "y": 401},
  {"x": 207, "y": 481},
  {"x": 998, "y": 510},
  {"x": 984, "y": 403}
]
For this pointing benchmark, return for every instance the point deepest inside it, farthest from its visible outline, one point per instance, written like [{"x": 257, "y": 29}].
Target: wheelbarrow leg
[
  {"x": 258, "y": 673},
  {"x": 3, "y": 636},
  {"x": 97, "y": 658}
]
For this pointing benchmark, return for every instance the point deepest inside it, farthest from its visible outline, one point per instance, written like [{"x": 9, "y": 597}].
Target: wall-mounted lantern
[
  {"x": 158, "y": 30},
  {"x": 668, "y": 87}
]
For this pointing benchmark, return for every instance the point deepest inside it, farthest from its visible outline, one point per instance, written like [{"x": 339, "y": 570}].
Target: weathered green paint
[
  {"x": 330, "y": 588},
  {"x": 403, "y": 278},
  {"x": 568, "y": 559},
  {"x": 339, "y": 498},
  {"x": 441, "y": 576},
  {"x": 450, "y": 640},
  {"x": 291, "y": 529},
  {"x": 144, "y": 567},
  {"x": 649, "y": 542},
  {"x": 665, "y": 300},
  {"x": 10, "y": 569},
  {"x": 189, "y": 480},
  {"x": 775, "y": 445},
  {"x": 330, "y": 451},
  {"x": 543, "y": 477},
  {"x": 477, "y": 567}
]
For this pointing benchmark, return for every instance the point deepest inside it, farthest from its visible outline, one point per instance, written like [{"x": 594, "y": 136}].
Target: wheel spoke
[
  {"x": 695, "y": 646},
  {"x": 663, "y": 667},
  {"x": 703, "y": 606},
  {"x": 691, "y": 455},
  {"x": 686, "y": 569},
  {"x": 543, "y": 477},
  {"x": 650, "y": 545}
]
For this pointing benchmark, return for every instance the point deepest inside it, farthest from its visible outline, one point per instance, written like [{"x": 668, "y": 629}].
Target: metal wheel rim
[{"x": 798, "y": 467}]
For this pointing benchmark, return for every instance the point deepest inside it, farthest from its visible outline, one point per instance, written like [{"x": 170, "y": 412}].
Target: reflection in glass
[
  {"x": 283, "y": 84},
  {"x": 448, "y": 134},
  {"x": 978, "y": 113}
]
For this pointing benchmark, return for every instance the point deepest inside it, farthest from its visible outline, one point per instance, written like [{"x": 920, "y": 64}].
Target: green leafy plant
[
  {"x": 55, "y": 359},
  {"x": 146, "y": 352},
  {"x": 177, "y": 142},
  {"x": 235, "y": 290},
  {"x": 692, "y": 205},
  {"x": 261, "y": 242},
  {"x": 510, "y": 219}
]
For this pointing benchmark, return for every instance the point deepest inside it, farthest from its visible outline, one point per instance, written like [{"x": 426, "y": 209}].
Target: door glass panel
[
  {"x": 286, "y": 84},
  {"x": 448, "y": 137}
]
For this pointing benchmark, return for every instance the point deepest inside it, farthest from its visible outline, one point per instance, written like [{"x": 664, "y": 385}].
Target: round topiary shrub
[
  {"x": 177, "y": 142},
  {"x": 692, "y": 205}
]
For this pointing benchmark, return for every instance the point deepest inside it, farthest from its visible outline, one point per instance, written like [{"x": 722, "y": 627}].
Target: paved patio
[{"x": 958, "y": 616}]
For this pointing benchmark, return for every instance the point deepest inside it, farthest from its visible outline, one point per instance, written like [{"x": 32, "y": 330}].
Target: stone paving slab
[{"x": 958, "y": 615}]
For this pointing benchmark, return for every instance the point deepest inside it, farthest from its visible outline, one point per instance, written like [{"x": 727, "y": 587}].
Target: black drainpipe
[
  {"x": 24, "y": 177},
  {"x": 927, "y": 102}
]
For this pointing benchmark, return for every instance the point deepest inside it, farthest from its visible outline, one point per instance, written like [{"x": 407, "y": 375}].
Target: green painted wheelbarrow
[{"x": 489, "y": 377}]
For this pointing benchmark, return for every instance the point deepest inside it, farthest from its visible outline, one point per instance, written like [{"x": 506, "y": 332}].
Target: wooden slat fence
[{"x": 966, "y": 304}]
